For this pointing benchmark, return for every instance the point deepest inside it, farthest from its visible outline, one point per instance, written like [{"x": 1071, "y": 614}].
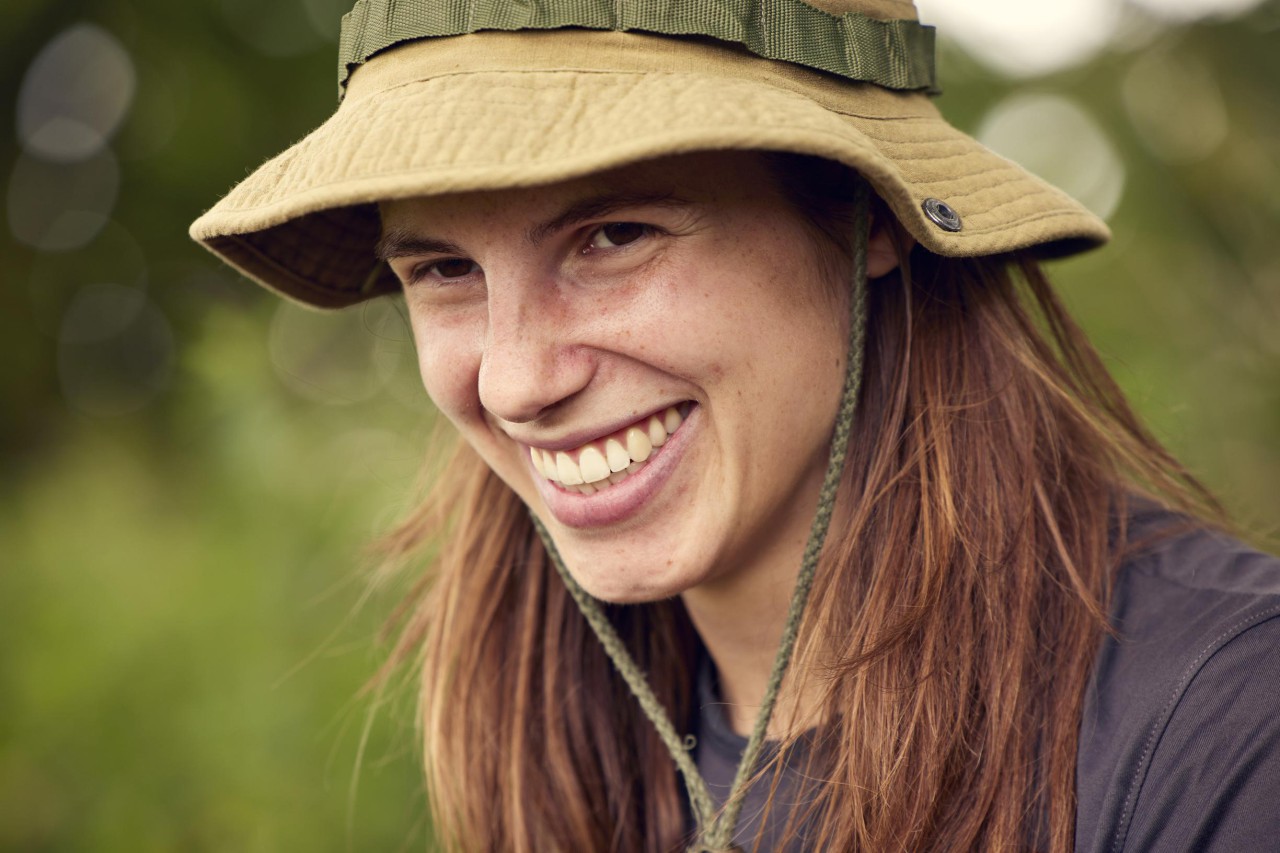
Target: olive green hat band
[{"x": 895, "y": 54}]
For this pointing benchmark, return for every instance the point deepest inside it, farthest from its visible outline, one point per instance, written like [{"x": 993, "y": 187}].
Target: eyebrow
[
  {"x": 401, "y": 242},
  {"x": 599, "y": 206}
]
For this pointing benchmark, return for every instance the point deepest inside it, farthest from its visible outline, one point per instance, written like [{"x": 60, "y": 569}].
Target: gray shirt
[{"x": 1180, "y": 737}]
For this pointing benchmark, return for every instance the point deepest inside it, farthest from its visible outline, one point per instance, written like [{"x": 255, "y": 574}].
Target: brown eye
[
  {"x": 617, "y": 234},
  {"x": 452, "y": 268}
]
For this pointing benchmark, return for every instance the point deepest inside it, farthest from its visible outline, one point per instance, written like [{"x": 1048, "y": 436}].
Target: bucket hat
[{"x": 445, "y": 96}]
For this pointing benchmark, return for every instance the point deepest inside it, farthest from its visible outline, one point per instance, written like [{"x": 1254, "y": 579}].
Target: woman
[{"x": 790, "y": 510}]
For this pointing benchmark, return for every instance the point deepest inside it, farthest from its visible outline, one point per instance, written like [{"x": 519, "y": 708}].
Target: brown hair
[{"x": 951, "y": 630}]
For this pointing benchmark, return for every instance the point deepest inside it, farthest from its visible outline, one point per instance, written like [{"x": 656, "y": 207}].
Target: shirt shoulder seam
[{"x": 1161, "y": 723}]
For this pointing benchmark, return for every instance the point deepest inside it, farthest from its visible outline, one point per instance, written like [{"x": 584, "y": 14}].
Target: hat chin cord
[{"x": 715, "y": 830}]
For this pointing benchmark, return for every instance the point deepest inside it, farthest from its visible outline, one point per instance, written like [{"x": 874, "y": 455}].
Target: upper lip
[{"x": 580, "y": 437}]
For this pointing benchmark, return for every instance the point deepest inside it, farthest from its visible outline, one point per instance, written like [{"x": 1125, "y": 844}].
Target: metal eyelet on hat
[{"x": 941, "y": 214}]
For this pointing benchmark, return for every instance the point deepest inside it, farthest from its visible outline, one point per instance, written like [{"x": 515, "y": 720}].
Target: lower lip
[{"x": 623, "y": 500}]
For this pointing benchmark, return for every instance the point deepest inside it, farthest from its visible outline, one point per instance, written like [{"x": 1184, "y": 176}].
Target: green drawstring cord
[{"x": 715, "y": 832}]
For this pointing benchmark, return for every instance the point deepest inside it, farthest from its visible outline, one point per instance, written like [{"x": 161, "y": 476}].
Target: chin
[{"x": 633, "y": 581}]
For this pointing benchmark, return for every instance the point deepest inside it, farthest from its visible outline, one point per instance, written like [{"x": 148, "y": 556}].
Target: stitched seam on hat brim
[
  {"x": 209, "y": 238},
  {"x": 911, "y": 186},
  {"x": 952, "y": 197},
  {"x": 968, "y": 231},
  {"x": 1047, "y": 214},
  {"x": 1018, "y": 173},
  {"x": 215, "y": 214}
]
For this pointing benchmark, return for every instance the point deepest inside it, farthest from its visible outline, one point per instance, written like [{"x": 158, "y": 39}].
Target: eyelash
[
  {"x": 646, "y": 230},
  {"x": 420, "y": 272}
]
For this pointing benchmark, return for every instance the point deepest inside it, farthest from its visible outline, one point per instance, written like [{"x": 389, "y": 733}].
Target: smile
[{"x": 607, "y": 461}]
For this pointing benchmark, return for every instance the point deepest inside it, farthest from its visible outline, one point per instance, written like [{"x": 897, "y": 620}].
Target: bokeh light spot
[
  {"x": 328, "y": 357},
  {"x": 1189, "y": 10},
  {"x": 1020, "y": 39},
  {"x": 276, "y": 29},
  {"x": 1057, "y": 140},
  {"x": 1176, "y": 107},
  {"x": 56, "y": 278},
  {"x": 395, "y": 354},
  {"x": 393, "y": 337},
  {"x": 75, "y": 94},
  {"x": 59, "y": 207},
  {"x": 115, "y": 353},
  {"x": 159, "y": 108},
  {"x": 326, "y": 16},
  {"x": 373, "y": 453},
  {"x": 101, "y": 312}
]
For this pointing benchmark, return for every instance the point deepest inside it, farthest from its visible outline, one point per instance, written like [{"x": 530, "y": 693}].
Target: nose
[{"x": 532, "y": 357}]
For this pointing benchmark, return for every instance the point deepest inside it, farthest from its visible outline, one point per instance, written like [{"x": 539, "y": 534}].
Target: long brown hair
[{"x": 953, "y": 622}]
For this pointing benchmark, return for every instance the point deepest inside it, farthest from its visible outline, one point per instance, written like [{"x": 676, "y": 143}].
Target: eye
[
  {"x": 447, "y": 269},
  {"x": 617, "y": 234}
]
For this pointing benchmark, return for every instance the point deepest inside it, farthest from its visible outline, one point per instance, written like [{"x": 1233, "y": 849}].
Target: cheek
[
  {"x": 765, "y": 336},
  {"x": 760, "y": 325},
  {"x": 449, "y": 362}
]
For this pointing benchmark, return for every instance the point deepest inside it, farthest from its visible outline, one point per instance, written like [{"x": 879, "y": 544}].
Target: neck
[{"x": 740, "y": 618}]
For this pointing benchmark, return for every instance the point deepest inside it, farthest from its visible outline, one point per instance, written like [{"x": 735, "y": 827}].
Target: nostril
[
  {"x": 532, "y": 357},
  {"x": 522, "y": 386}
]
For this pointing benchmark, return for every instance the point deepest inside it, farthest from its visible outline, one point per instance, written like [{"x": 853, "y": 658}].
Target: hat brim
[{"x": 499, "y": 110}]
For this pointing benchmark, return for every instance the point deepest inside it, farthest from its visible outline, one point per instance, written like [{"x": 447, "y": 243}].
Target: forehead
[{"x": 700, "y": 178}]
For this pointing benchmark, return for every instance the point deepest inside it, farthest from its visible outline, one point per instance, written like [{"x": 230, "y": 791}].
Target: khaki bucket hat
[{"x": 446, "y": 96}]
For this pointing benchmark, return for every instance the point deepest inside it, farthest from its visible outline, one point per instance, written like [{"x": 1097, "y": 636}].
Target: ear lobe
[{"x": 882, "y": 255}]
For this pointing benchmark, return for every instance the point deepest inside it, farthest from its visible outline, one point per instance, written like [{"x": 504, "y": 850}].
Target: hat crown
[{"x": 601, "y": 84}]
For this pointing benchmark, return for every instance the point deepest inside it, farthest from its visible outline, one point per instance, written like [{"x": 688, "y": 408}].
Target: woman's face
[{"x": 650, "y": 357}]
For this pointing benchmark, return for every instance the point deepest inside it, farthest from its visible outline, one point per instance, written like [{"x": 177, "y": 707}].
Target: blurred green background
[{"x": 190, "y": 470}]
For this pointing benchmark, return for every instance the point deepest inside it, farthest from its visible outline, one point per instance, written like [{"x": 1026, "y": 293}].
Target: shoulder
[{"x": 1180, "y": 738}]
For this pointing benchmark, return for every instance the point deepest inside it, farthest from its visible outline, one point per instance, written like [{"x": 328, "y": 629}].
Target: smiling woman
[
  {"x": 789, "y": 510},
  {"x": 593, "y": 329}
]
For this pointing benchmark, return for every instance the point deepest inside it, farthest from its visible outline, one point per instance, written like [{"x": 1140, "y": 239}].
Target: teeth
[
  {"x": 638, "y": 444},
  {"x": 671, "y": 420},
  {"x": 596, "y": 469},
  {"x": 617, "y": 455},
  {"x": 549, "y": 470},
  {"x": 592, "y": 465},
  {"x": 657, "y": 432},
  {"x": 568, "y": 470}
]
